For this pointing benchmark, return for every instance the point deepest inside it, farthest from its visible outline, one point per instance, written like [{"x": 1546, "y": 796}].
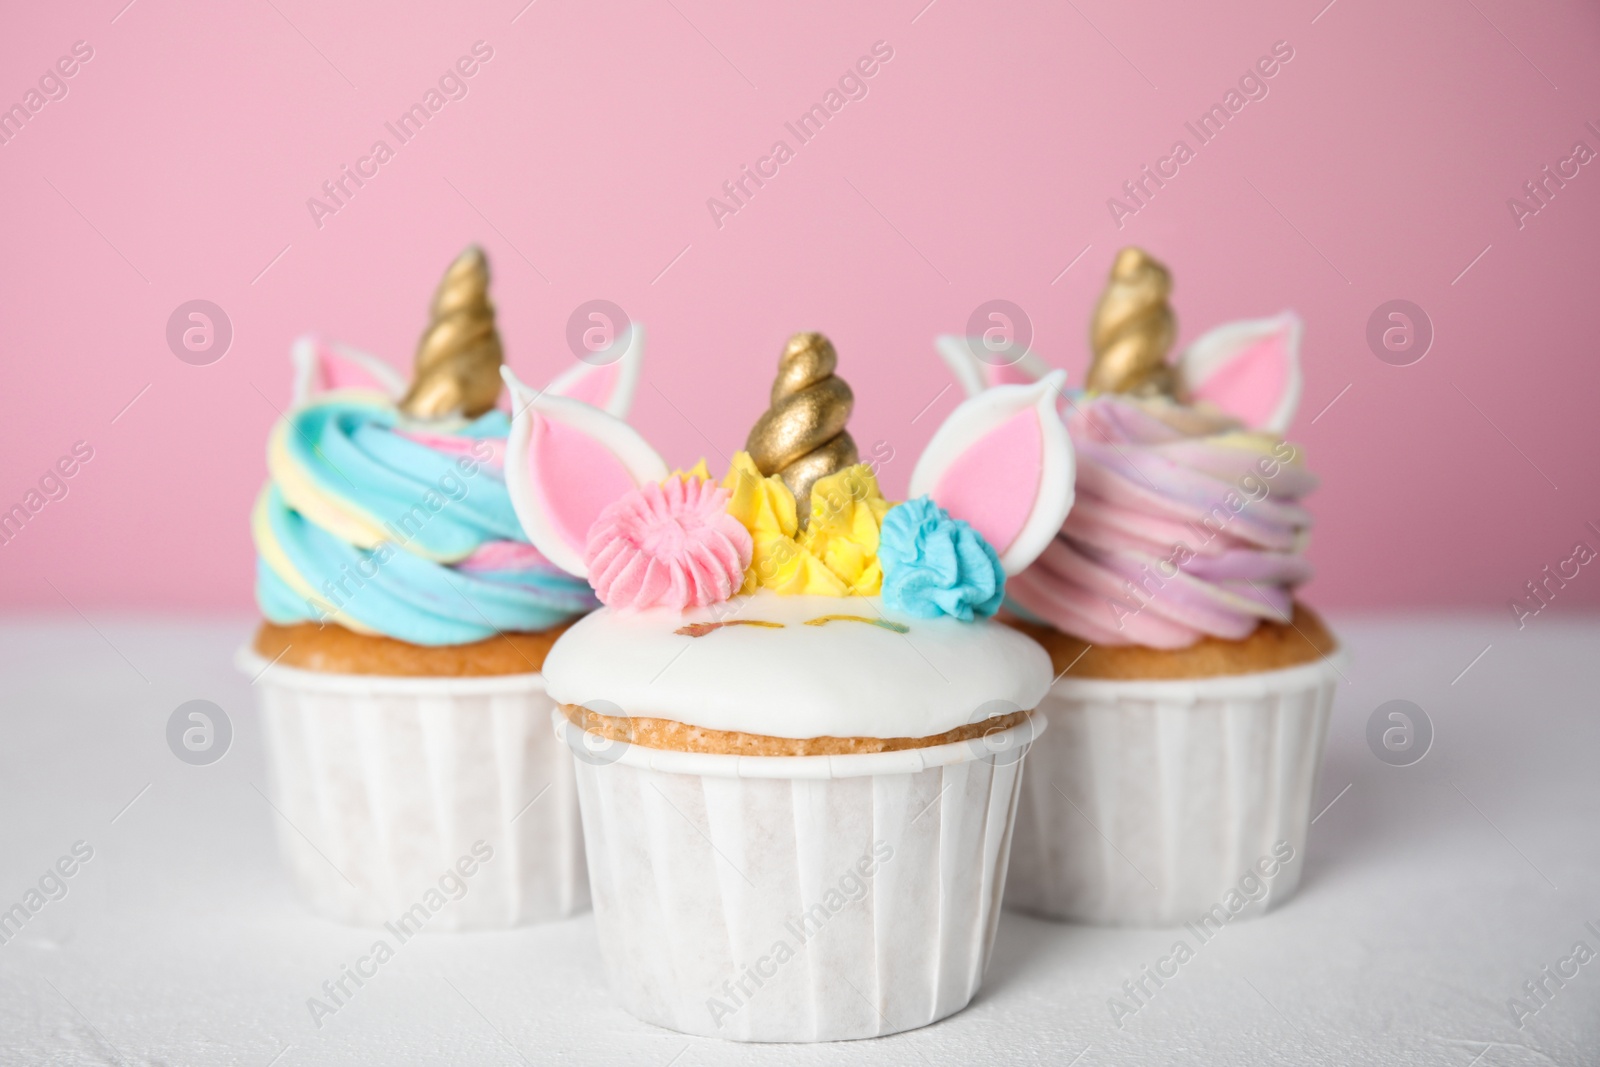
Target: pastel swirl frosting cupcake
[
  {"x": 1193, "y": 691},
  {"x": 407, "y": 619},
  {"x": 386, "y": 529}
]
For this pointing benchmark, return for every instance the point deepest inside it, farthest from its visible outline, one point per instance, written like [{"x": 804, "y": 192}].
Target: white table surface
[{"x": 1431, "y": 893}]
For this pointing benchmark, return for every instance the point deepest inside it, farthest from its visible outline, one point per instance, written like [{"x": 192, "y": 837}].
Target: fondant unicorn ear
[
  {"x": 975, "y": 375},
  {"x": 565, "y": 461},
  {"x": 1003, "y": 462},
  {"x": 607, "y": 386},
  {"x": 1250, "y": 370},
  {"x": 321, "y": 367}
]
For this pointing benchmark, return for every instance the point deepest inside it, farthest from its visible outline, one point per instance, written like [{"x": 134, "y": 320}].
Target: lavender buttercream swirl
[{"x": 1186, "y": 525}]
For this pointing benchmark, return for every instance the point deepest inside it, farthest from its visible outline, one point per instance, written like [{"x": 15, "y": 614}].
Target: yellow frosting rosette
[
  {"x": 837, "y": 555},
  {"x": 847, "y": 511}
]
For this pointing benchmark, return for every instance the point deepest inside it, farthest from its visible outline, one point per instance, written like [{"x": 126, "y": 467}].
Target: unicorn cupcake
[
  {"x": 799, "y": 733},
  {"x": 406, "y": 622},
  {"x": 1194, "y": 691}
]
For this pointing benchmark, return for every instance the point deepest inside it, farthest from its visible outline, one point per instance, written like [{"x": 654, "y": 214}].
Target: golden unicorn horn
[
  {"x": 1133, "y": 329},
  {"x": 802, "y": 435},
  {"x": 459, "y": 356}
]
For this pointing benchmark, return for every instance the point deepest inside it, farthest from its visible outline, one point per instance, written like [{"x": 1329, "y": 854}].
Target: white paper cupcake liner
[
  {"x": 383, "y": 784},
  {"x": 879, "y": 875},
  {"x": 1155, "y": 803}
]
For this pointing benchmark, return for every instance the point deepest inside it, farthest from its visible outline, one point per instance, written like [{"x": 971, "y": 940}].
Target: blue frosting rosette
[{"x": 936, "y": 565}]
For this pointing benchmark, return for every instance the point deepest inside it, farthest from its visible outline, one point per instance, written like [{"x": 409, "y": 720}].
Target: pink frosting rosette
[{"x": 670, "y": 544}]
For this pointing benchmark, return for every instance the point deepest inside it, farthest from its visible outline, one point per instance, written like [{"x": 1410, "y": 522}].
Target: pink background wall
[{"x": 979, "y": 165}]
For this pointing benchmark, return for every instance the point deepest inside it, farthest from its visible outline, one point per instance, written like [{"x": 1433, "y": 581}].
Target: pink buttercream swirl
[
  {"x": 1186, "y": 525},
  {"x": 672, "y": 545},
  {"x": 507, "y": 556}
]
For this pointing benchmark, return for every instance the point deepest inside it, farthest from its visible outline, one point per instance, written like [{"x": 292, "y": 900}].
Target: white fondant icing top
[{"x": 842, "y": 678}]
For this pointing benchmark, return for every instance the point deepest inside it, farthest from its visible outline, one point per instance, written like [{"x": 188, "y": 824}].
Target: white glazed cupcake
[
  {"x": 1193, "y": 695},
  {"x": 406, "y": 623},
  {"x": 799, "y": 750}
]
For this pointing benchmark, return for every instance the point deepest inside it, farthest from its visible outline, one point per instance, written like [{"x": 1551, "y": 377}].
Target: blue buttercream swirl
[
  {"x": 366, "y": 527},
  {"x": 936, "y": 565}
]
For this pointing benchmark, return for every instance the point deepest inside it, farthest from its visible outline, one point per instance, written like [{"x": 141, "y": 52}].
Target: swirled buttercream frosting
[
  {"x": 1186, "y": 525},
  {"x": 406, "y": 530}
]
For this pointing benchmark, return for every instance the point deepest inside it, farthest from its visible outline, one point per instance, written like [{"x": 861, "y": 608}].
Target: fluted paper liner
[
  {"x": 881, "y": 874},
  {"x": 382, "y": 784},
  {"x": 1147, "y": 802}
]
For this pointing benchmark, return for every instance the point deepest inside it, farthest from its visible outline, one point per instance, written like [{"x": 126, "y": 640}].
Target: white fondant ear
[
  {"x": 1003, "y": 462},
  {"x": 607, "y": 386},
  {"x": 1249, "y": 369},
  {"x": 565, "y": 461},
  {"x": 320, "y": 367},
  {"x": 974, "y": 375}
]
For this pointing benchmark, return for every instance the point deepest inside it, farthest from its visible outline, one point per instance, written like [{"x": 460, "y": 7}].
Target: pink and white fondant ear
[
  {"x": 607, "y": 386},
  {"x": 1250, "y": 370},
  {"x": 320, "y": 368},
  {"x": 1003, "y": 462},
  {"x": 565, "y": 461},
  {"x": 974, "y": 375}
]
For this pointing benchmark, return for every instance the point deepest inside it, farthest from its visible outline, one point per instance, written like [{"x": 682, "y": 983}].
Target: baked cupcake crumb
[
  {"x": 682, "y": 737},
  {"x": 1271, "y": 646},
  {"x": 333, "y": 649}
]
